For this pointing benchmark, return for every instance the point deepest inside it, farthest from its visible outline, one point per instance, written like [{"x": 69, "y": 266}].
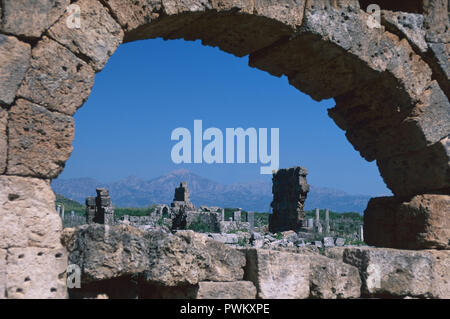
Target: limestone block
[
  {"x": 57, "y": 79},
  {"x": 40, "y": 141},
  {"x": 30, "y": 18},
  {"x": 436, "y": 20},
  {"x": 409, "y": 25},
  {"x": 2, "y": 274},
  {"x": 401, "y": 273},
  {"x": 132, "y": 14},
  {"x": 107, "y": 252},
  {"x": 97, "y": 38},
  {"x": 36, "y": 273},
  {"x": 278, "y": 275},
  {"x": 14, "y": 62},
  {"x": 419, "y": 223},
  {"x": 226, "y": 290},
  {"x": 3, "y": 139},
  {"x": 188, "y": 258},
  {"x": 333, "y": 279},
  {"x": 418, "y": 172},
  {"x": 27, "y": 213}
]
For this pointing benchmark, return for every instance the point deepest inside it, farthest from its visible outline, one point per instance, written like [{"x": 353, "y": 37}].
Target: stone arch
[{"x": 390, "y": 85}]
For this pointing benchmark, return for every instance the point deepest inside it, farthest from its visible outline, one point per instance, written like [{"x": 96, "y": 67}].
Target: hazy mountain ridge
[{"x": 135, "y": 192}]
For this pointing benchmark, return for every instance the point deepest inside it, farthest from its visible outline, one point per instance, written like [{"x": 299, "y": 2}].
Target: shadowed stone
[
  {"x": 40, "y": 141},
  {"x": 57, "y": 79},
  {"x": 419, "y": 223},
  {"x": 418, "y": 172},
  {"x": 2, "y": 270},
  {"x": 98, "y": 37},
  {"x": 30, "y": 18},
  {"x": 14, "y": 62}
]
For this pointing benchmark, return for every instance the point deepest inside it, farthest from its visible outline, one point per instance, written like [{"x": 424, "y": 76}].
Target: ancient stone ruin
[
  {"x": 100, "y": 209},
  {"x": 390, "y": 82},
  {"x": 290, "y": 190}
]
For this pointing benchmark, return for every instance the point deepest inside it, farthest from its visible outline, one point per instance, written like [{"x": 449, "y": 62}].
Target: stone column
[
  {"x": 62, "y": 212},
  {"x": 222, "y": 215},
  {"x": 361, "y": 233},
  {"x": 327, "y": 221},
  {"x": 317, "y": 224},
  {"x": 251, "y": 220},
  {"x": 237, "y": 216},
  {"x": 310, "y": 223}
]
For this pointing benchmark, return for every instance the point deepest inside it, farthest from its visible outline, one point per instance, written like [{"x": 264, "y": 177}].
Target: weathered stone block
[
  {"x": 3, "y": 139},
  {"x": 97, "y": 38},
  {"x": 188, "y": 258},
  {"x": 436, "y": 20},
  {"x": 27, "y": 213},
  {"x": 40, "y": 141},
  {"x": 36, "y": 273},
  {"x": 419, "y": 223},
  {"x": 185, "y": 259},
  {"x": 132, "y": 14},
  {"x": 226, "y": 290},
  {"x": 409, "y": 25},
  {"x": 2, "y": 273},
  {"x": 278, "y": 275},
  {"x": 57, "y": 79},
  {"x": 418, "y": 172},
  {"x": 31, "y": 18},
  {"x": 14, "y": 62},
  {"x": 401, "y": 273},
  {"x": 331, "y": 279}
]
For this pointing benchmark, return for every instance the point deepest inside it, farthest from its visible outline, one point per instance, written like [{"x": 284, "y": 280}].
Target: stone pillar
[
  {"x": 361, "y": 233},
  {"x": 310, "y": 223},
  {"x": 237, "y": 216},
  {"x": 317, "y": 224},
  {"x": 327, "y": 221},
  {"x": 62, "y": 212},
  {"x": 251, "y": 220},
  {"x": 222, "y": 215},
  {"x": 104, "y": 208},
  {"x": 90, "y": 209},
  {"x": 290, "y": 189},
  {"x": 58, "y": 210}
]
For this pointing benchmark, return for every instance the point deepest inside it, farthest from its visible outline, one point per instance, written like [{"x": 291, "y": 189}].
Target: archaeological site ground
[{"x": 388, "y": 73}]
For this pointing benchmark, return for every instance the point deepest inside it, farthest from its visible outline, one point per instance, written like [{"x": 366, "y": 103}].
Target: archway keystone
[{"x": 390, "y": 84}]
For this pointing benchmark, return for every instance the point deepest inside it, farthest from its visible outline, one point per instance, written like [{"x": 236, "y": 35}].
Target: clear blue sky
[{"x": 149, "y": 88}]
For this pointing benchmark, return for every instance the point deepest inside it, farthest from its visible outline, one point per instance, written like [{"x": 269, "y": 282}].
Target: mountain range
[{"x": 256, "y": 196}]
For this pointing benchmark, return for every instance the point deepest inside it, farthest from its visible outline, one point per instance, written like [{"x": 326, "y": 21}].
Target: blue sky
[{"x": 149, "y": 88}]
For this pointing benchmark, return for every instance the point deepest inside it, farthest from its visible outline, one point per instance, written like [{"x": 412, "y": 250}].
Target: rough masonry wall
[
  {"x": 390, "y": 84},
  {"x": 290, "y": 189}
]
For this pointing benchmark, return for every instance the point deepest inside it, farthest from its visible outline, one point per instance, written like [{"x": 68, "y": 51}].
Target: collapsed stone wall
[{"x": 390, "y": 84}]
